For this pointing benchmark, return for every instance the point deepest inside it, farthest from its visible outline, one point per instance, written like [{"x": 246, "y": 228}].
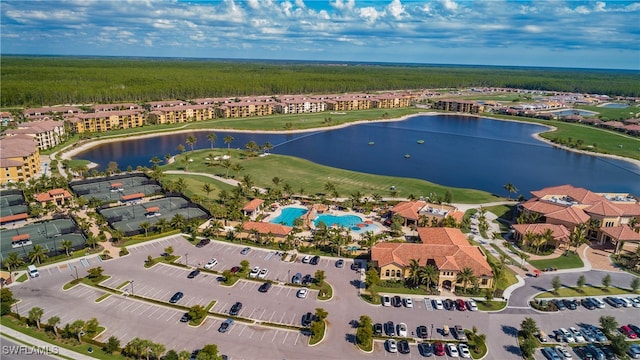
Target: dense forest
[{"x": 39, "y": 81}]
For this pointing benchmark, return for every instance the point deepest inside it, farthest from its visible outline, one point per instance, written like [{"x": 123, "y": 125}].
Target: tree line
[{"x": 40, "y": 81}]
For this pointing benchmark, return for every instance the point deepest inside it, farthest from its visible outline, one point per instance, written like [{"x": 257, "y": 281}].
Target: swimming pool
[
  {"x": 351, "y": 222},
  {"x": 288, "y": 215}
]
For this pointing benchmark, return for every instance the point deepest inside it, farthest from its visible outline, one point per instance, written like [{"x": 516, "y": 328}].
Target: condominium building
[
  {"x": 180, "y": 114},
  {"x": 243, "y": 109},
  {"x": 47, "y": 133},
  {"x": 19, "y": 158},
  {"x": 107, "y": 120},
  {"x": 459, "y": 106}
]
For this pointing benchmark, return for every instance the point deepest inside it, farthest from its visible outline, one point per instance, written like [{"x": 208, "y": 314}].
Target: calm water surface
[{"x": 458, "y": 151}]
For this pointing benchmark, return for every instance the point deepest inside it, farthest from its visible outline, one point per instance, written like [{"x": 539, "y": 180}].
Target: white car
[
  {"x": 263, "y": 273},
  {"x": 408, "y": 302},
  {"x": 386, "y": 300},
  {"x": 635, "y": 302},
  {"x": 452, "y": 350},
  {"x": 627, "y": 302},
  {"x": 563, "y": 352},
  {"x": 599, "y": 303},
  {"x": 577, "y": 335},
  {"x": 471, "y": 305},
  {"x": 402, "y": 330},
  {"x": 567, "y": 335},
  {"x": 463, "y": 349},
  {"x": 302, "y": 293},
  {"x": 437, "y": 304},
  {"x": 306, "y": 259},
  {"x": 392, "y": 345},
  {"x": 211, "y": 263},
  {"x": 254, "y": 273}
]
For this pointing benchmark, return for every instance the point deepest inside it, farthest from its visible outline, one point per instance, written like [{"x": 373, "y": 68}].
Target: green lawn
[
  {"x": 585, "y": 291},
  {"x": 484, "y": 305},
  {"x": 568, "y": 261},
  {"x": 312, "y": 177}
]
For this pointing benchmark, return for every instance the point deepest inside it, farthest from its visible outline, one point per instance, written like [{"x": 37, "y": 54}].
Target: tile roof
[
  {"x": 572, "y": 215},
  {"x": 604, "y": 208},
  {"x": 49, "y": 195},
  {"x": 14, "y": 217},
  {"x": 132, "y": 196},
  {"x": 17, "y": 146},
  {"x": 266, "y": 228},
  {"x": 542, "y": 207},
  {"x": 622, "y": 232},
  {"x": 408, "y": 209},
  {"x": 581, "y": 195},
  {"x": 253, "y": 205},
  {"x": 442, "y": 236},
  {"x": 560, "y": 232},
  {"x": 629, "y": 209}
]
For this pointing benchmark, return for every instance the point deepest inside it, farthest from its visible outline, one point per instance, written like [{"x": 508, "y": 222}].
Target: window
[
  {"x": 485, "y": 281},
  {"x": 608, "y": 224},
  {"x": 386, "y": 273},
  {"x": 393, "y": 273}
]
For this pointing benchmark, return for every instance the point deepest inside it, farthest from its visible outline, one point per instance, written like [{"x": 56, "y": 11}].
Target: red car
[
  {"x": 235, "y": 269},
  {"x": 460, "y": 304},
  {"x": 438, "y": 349},
  {"x": 628, "y": 331}
]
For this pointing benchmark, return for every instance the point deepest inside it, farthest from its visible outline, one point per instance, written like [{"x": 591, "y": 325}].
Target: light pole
[
  {"x": 76, "y": 267},
  {"x": 132, "y": 294},
  {"x": 186, "y": 261}
]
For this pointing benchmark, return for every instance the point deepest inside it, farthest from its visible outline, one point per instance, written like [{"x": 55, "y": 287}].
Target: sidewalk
[{"x": 42, "y": 346}]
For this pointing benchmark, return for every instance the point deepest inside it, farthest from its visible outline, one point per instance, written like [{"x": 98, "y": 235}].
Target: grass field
[
  {"x": 311, "y": 177},
  {"x": 568, "y": 261}
]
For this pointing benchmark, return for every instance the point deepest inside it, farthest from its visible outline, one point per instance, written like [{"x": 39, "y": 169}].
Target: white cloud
[
  {"x": 370, "y": 14},
  {"x": 396, "y": 9},
  {"x": 450, "y": 5},
  {"x": 342, "y": 5},
  {"x": 533, "y": 29}
]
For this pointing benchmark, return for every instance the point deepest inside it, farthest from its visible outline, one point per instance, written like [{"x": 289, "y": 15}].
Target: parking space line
[
  {"x": 261, "y": 315},
  {"x": 241, "y": 331},
  {"x": 286, "y": 333},
  {"x": 252, "y": 333},
  {"x": 274, "y": 336},
  {"x": 137, "y": 307},
  {"x": 296, "y": 342},
  {"x": 212, "y": 323},
  {"x": 280, "y": 289},
  {"x": 154, "y": 311},
  {"x": 282, "y": 318},
  {"x": 252, "y": 311},
  {"x": 144, "y": 310},
  {"x": 128, "y": 306},
  {"x": 293, "y": 319},
  {"x": 263, "y": 334},
  {"x": 272, "y": 315}
]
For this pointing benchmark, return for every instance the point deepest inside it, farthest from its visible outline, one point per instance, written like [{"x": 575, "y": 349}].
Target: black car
[
  {"x": 245, "y": 251},
  {"x": 635, "y": 328},
  {"x": 389, "y": 328},
  {"x": 307, "y": 319},
  {"x": 264, "y": 287},
  {"x": 425, "y": 349},
  {"x": 559, "y": 304},
  {"x": 615, "y": 302},
  {"x": 185, "y": 317},
  {"x": 306, "y": 280},
  {"x": 588, "y": 303},
  {"x": 225, "y": 326},
  {"x": 583, "y": 353},
  {"x": 608, "y": 353},
  {"x": 377, "y": 329},
  {"x": 570, "y": 304},
  {"x": 176, "y": 297},
  {"x": 355, "y": 266},
  {"x": 403, "y": 347},
  {"x": 422, "y": 332},
  {"x": 396, "y": 301},
  {"x": 449, "y": 304},
  {"x": 193, "y": 274},
  {"x": 235, "y": 309},
  {"x": 314, "y": 260},
  {"x": 203, "y": 242},
  {"x": 339, "y": 263}
]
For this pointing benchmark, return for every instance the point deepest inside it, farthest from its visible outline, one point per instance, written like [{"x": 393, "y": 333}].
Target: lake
[{"x": 458, "y": 151}]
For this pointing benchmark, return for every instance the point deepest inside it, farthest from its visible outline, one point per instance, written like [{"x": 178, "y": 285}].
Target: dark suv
[
  {"x": 203, "y": 242},
  {"x": 307, "y": 319},
  {"x": 193, "y": 274},
  {"x": 377, "y": 329},
  {"x": 264, "y": 287},
  {"x": 390, "y": 328},
  {"x": 314, "y": 260},
  {"x": 396, "y": 301},
  {"x": 235, "y": 309},
  {"x": 176, "y": 297}
]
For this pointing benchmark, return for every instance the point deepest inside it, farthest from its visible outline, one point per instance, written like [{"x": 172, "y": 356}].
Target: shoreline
[{"x": 70, "y": 153}]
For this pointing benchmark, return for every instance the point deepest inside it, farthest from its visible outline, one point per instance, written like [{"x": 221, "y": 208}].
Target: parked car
[
  {"x": 614, "y": 301},
  {"x": 254, "y": 272},
  {"x": 626, "y": 302},
  {"x": 306, "y": 280},
  {"x": 396, "y": 301},
  {"x": 296, "y": 279},
  {"x": 559, "y": 304},
  {"x": 570, "y": 304},
  {"x": 264, "y": 287},
  {"x": 203, "y": 242},
  {"x": 452, "y": 350},
  {"x": 302, "y": 293},
  {"x": 176, "y": 297},
  {"x": 598, "y": 354},
  {"x": 542, "y": 336},
  {"x": 583, "y": 353},
  {"x": 588, "y": 303},
  {"x": 437, "y": 304},
  {"x": 449, "y": 304},
  {"x": 408, "y": 302},
  {"x": 185, "y": 317},
  {"x": 211, "y": 263},
  {"x": 193, "y": 274},
  {"x": 608, "y": 353},
  {"x": 425, "y": 349},
  {"x": 235, "y": 269},
  {"x": 577, "y": 334},
  {"x": 307, "y": 319},
  {"x": 598, "y": 302},
  {"x": 588, "y": 335},
  {"x": 386, "y": 300},
  {"x": 389, "y": 328},
  {"x": 563, "y": 353},
  {"x": 461, "y": 305},
  {"x": 634, "y": 328},
  {"x": 263, "y": 273},
  {"x": 340, "y": 263},
  {"x": 566, "y": 335},
  {"x": 392, "y": 345},
  {"x": 402, "y": 329},
  {"x": 224, "y": 327},
  {"x": 458, "y": 333},
  {"x": 421, "y": 332},
  {"x": 245, "y": 251},
  {"x": 314, "y": 260},
  {"x": 471, "y": 305},
  {"x": 438, "y": 348},
  {"x": 634, "y": 351},
  {"x": 235, "y": 309},
  {"x": 634, "y": 301},
  {"x": 306, "y": 259},
  {"x": 550, "y": 354},
  {"x": 377, "y": 329},
  {"x": 628, "y": 332},
  {"x": 463, "y": 349},
  {"x": 403, "y": 347}
]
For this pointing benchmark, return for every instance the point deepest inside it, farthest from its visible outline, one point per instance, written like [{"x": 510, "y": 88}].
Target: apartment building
[
  {"x": 299, "y": 105},
  {"x": 51, "y": 110},
  {"x": 47, "y": 133},
  {"x": 459, "y": 106},
  {"x": 19, "y": 158},
  {"x": 115, "y": 107},
  {"x": 180, "y": 114},
  {"x": 245, "y": 108},
  {"x": 107, "y": 120},
  {"x": 390, "y": 101}
]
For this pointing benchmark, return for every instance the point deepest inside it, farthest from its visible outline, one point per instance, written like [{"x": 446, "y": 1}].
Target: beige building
[
  {"x": 181, "y": 114},
  {"x": 19, "y": 158},
  {"x": 242, "y": 109},
  {"x": 47, "y": 133},
  {"x": 459, "y": 106},
  {"x": 107, "y": 120}
]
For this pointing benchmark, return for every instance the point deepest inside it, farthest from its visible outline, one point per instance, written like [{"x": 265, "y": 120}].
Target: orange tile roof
[
  {"x": 604, "y": 208},
  {"x": 622, "y": 232},
  {"x": 560, "y": 232},
  {"x": 408, "y": 209},
  {"x": 132, "y": 196},
  {"x": 253, "y": 205},
  {"x": 581, "y": 195},
  {"x": 456, "y": 215},
  {"x": 541, "y": 207},
  {"x": 116, "y": 184},
  {"x": 572, "y": 215},
  {"x": 153, "y": 209},
  {"x": 629, "y": 209},
  {"x": 446, "y": 257},
  {"x": 49, "y": 195},
  {"x": 14, "y": 217},
  {"x": 442, "y": 236},
  {"x": 20, "y": 237},
  {"x": 266, "y": 228}
]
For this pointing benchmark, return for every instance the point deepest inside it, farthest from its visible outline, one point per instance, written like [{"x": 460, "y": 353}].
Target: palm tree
[
  {"x": 191, "y": 141},
  {"x": 12, "y": 261},
  {"x": 92, "y": 240},
  {"x": 53, "y": 323},
  {"x": 77, "y": 327},
  {"x": 180, "y": 148},
  {"x": 178, "y": 221},
  {"x": 228, "y": 140},
  {"x": 247, "y": 181},
  {"x": 237, "y": 167},
  {"x": 145, "y": 226},
  {"x": 429, "y": 275},
  {"x": 66, "y": 246},
  {"x": 207, "y": 188},
  {"x": 466, "y": 276},
  {"x": 226, "y": 164},
  {"x": 35, "y": 315},
  {"x": 529, "y": 238},
  {"x": 510, "y": 189},
  {"x": 545, "y": 238},
  {"x": 414, "y": 271},
  {"x": 155, "y": 161},
  {"x": 267, "y": 147},
  {"x": 37, "y": 254},
  {"x": 212, "y": 137}
]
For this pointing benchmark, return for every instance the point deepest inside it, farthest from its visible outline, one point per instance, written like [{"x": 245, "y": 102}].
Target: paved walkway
[{"x": 42, "y": 345}]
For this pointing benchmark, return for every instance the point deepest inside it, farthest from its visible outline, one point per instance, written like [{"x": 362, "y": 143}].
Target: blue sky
[{"x": 583, "y": 34}]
